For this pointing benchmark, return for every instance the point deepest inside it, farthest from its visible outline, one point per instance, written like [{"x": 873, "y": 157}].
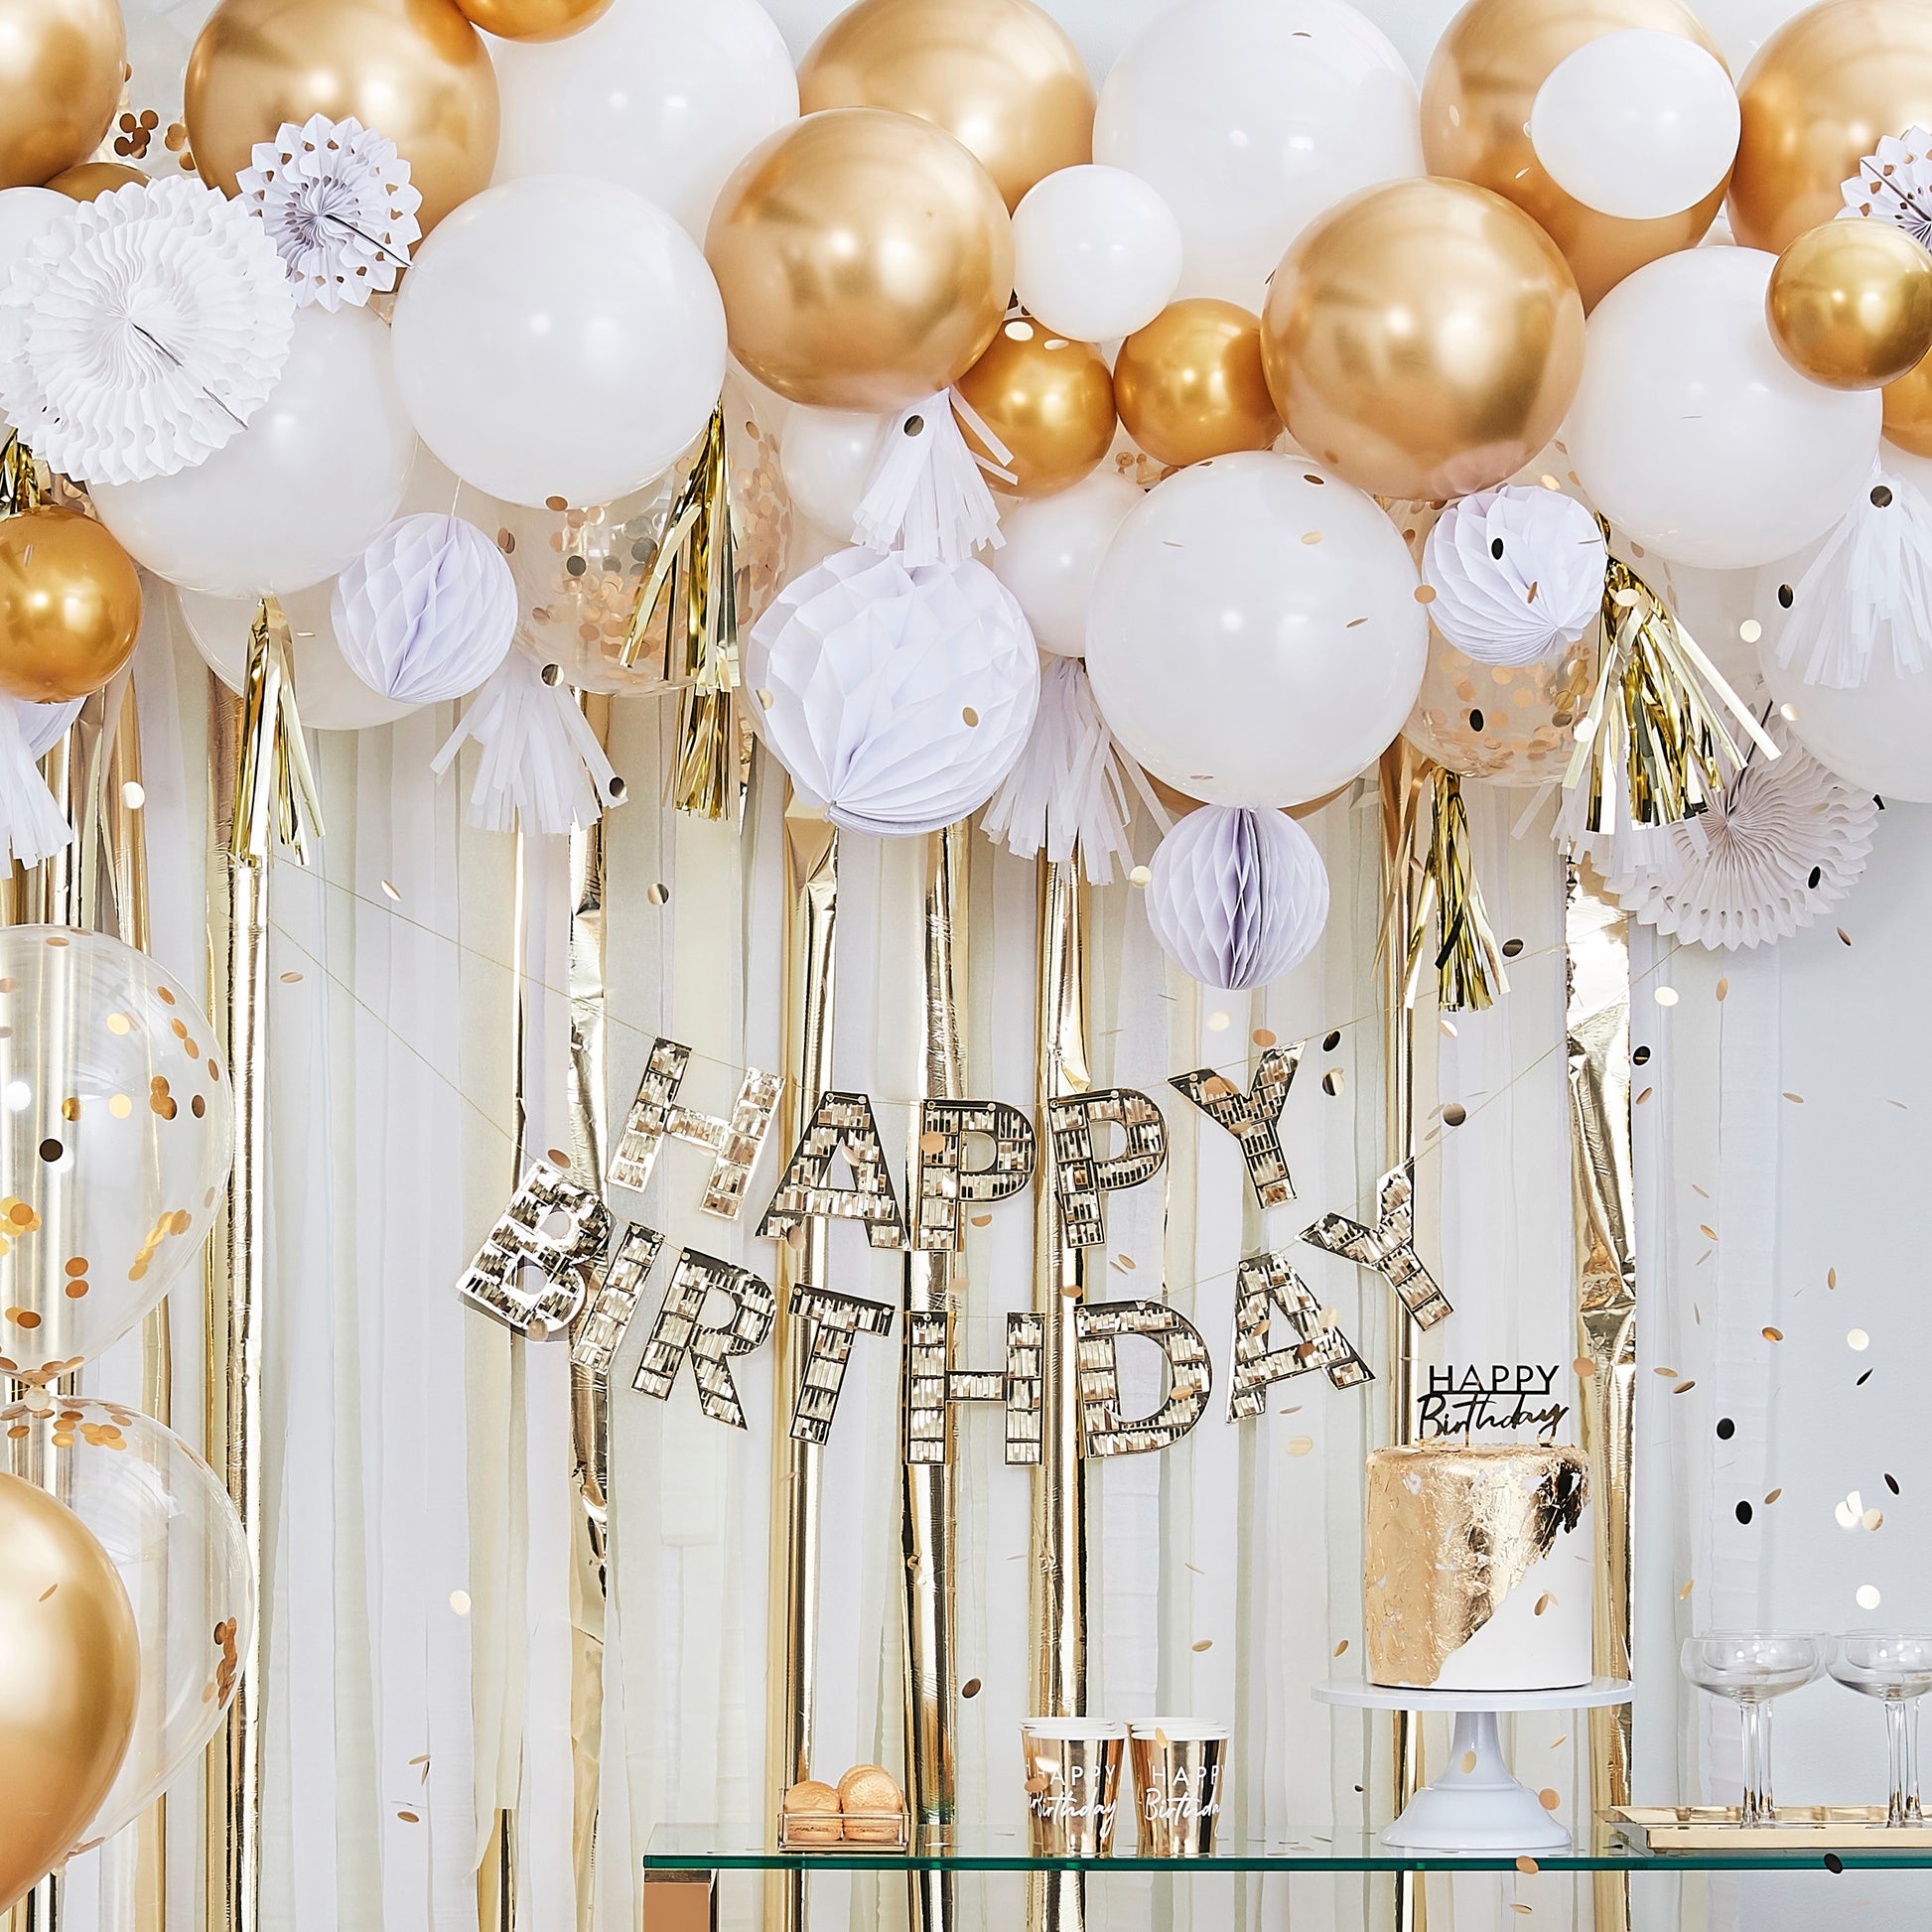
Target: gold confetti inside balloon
[
  {"x": 1189, "y": 386},
  {"x": 1001, "y": 75},
  {"x": 1050, "y": 402},
  {"x": 115, "y": 1138},
  {"x": 1851, "y": 304},
  {"x": 70, "y": 605},
  {"x": 60, "y": 84},
  {"x": 1514, "y": 725},
  {"x": 69, "y": 1673}
]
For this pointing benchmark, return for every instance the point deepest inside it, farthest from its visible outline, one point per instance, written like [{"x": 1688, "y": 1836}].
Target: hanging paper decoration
[
  {"x": 1518, "y": 573},
  {"x": 1470, "y": 970},
  {"x": 1870, "y": 587},
  {"x": 1069, "y": 793},
  {"x": 927, "y": 497},
  {"x": 426, "y": 612},
  {"x": 1782, "y": 844},
  {"x": 1895, "y": 183},
  {"x": 897, "y": 697},
  {"x": 541, "y": 762},
  {"x": 32, "y": 824},
  {"x": 335, "y": 198},
  {"x": 1236, "y": 897},
  {"x": 142, "y": 330}
]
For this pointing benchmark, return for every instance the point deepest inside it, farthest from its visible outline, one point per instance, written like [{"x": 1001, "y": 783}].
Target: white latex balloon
[
  {"x": 287, "y": 501},
  {"x": 1693, "y": 435},
  {"x": 1255, "y": 636},
  {"x": 826, "y": 457},
  {"x": 559, "y": 337},
  {"x": 1052, "y": 552},
  {"x": 1096, "y": 253},
  {"x": 661, "y": 97},
  {"x": 1640, "y": 124},
  {"x": 1251, "y": 117}
]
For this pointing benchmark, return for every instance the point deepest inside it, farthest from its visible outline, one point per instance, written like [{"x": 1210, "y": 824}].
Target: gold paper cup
[
  {"x": 1178, "y": 1786},
  {"x": 1073, "y": 1767}
]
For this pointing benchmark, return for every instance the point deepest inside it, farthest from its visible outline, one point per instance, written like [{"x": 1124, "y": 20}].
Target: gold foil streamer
[
  {"x": 1266, "y": 1285},
  {"x": 681, "y": 1331},
  {"x": 836, "y": 1318},
  {"x": 1254, "y": 1117},
  {"x": 806, "y": 1191},
  {"x": 1080, "y": 1177},
  {"x": 655, "y": 1117},
  {"x": 1658, "y": 712},
  {"x": 1468, "y": 961},
  {"x": 275, "y": 789},
  {"x": 1389, "y": 1247},
  {"x": 528, "y": 1241},
  {"x": 1191, "y": 1376},
  {"x": 933, "y": 1386},
  {"x": 600, "y": 1329},
  {"x": 1596, "y": 939},
  {"x": 1451, "y": 1532},
  {"x": 944, "y": 1181}
]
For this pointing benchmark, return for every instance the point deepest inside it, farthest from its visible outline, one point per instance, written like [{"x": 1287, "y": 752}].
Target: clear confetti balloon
[
  {"x": 1513, "y": 724},
  {"x": 172, "y": 1533},
  {"x": 116, "y": 1133}
]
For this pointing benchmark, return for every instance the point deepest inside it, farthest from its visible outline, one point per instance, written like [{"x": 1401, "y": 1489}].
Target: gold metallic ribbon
[
  {"x": 275, "y": 797},
  {"x": 1438, "y": 884}
]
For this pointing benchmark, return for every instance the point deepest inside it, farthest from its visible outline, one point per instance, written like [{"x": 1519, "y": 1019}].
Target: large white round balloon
[
  {"x": 1251, "y": 117},
  {"x": 1874, "y": 736},
  {"x": 661, "y": 97},
  {"x": 1052, "y": 553},
  {"x": 290, "y": 500},
  {"x": 1693, "y": 435},
  {"x": 1255, "y": 636},
  {"x": 826, "y": 457},
  {"x": 559, "y": 337},
  {"x": 1096, "y": 253},
  {"x": 1640, "y": 124}
]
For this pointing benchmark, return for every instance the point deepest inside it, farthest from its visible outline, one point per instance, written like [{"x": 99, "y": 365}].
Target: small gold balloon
[
  {"x": 1424, "y": 338},
  {"x": 1481, "y": 85},
  {"x": 70, "y": 605},
  {"x": 61, "y": 64},
  {"x": 1189, "y": 386},
  {"x": 415, "y": 71},
  {"x": 69, "y": 1673},
  {"x": 1816, "y": 99},
  {"x": 1001, "y": 75},
  {"x": 1850, "y": 304},
  {"x": 533, "y": 20},
  {"x": 1050, "y": 402},
  {"x": 1908, "y": 410},
  {"x": 93, "y": 178},
  {"x": 864, "y": 258}
]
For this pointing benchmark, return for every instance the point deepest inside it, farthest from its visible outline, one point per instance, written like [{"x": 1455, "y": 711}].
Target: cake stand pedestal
[{"x": 1478, "y": 1804}]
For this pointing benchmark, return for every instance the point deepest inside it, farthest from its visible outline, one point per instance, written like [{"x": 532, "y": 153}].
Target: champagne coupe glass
[
  {"x": 1898, "y": 1670},
  {"x": 1751, "y": 1669}
]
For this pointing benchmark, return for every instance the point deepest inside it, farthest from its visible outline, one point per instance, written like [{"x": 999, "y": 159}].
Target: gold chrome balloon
[
  {"x": 1816, "y": 99},
  {"x": 1050, "y": 402},
  {"x": 1850, "y": 304},
  {"x": 415, "y": 71},
  {"x": 1189, "y": 386},
  {"x": 1001, "y": 75},
  {"x": 1908, "y": 410},
  {"x": 92, "y": 179},
  {"x": 1481, "y": 84},
  {"x": 533, "y": 20},
  {"x": 864, "y": 258},
  {"x": 69, "y": 1671},
  {"x": 1424, "y": 338},
  {"x": 70, "y": 605},
  {"x": 61, "y": 64}
]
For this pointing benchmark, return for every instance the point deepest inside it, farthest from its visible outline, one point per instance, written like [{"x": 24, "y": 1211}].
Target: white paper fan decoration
[
  {"x": 1789, "y": 840},
  {"x": 143, "y": 331},
  {"x": 31, "y": 823},
  {"x": 1896, "y": 185},
  {"x": 897, "y": 698},
  {"x": 1518, "y": 573},
  {"x": 1236, "y": 897},
  {"x": 1871, "y": 586},
  {"x": 335, "y": 199},
  {"x": 426, "y": 612}
]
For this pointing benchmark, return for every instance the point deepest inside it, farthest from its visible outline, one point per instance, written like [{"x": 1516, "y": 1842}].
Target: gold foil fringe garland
[{"x": 1442, "y": 882}]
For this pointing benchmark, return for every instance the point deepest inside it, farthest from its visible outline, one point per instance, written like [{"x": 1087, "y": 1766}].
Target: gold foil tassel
[
  {"x": 275, "y": 788},
  {"x": 1436, "y": 880}
]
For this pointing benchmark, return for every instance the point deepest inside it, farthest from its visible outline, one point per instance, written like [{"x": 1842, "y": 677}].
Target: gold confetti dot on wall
[
  {"x": 1547, "y": 1798},
  {"x": 70, "y": 1107},
  {"x": 459, "y": 1602},
  {"x": 1217, "y": 1023},
  {"x": 1665, "y": 996},
  {"x": 1867, "y": 1598},
  {"x": 1858, "y": 1339},
  {"x": 1301, "y": 1445},
  {"x": 120, "y": 1106},
  {"x": 118, "y": 1023}
]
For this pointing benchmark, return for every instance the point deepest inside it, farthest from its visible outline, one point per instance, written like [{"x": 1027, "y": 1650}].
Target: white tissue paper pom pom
[
  {"x": 1236, "y": 897},
  {"x": 335, "y": 199},
  {"x": 897, "y": 697},
  {"x": 144, "y": 331},
  {"x": 426, "y": 612},
  {"x": 1518, "y": 573}
]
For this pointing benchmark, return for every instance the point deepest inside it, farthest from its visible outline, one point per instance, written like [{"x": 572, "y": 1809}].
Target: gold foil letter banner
[
  {"x": 1191, "y": 1376},
  {"x": 1268, "y": 1285},
  {"x": 1254, "y": 1117},
  {"x": 835, "y": 1319},
  {"x": 681, "y": 1331},
  {"x": 933, "y": 1384},
  {"x": 619, "y": 1285},
  {"x": 1389, "y": 1247},
  {"x": 840, "y": 1120},
  {"x": 944, "y": 1180},
  {"x": 1080, "y": 1179},
  {"x": 656, "y": 1118},
  {"x": 554, "y": 1229}
]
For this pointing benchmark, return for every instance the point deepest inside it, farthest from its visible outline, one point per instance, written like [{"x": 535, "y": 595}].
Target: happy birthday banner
[{"x": 558, "y": 1258}]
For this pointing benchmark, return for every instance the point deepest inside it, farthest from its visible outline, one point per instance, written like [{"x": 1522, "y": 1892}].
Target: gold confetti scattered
[
  {"x": 1561, "y": 1738},
  {"x": 1455, "y": 1114},
  {"x": 1543, "y": 1602},
  {"x": 1669, "y": 1374},
  {"x": 1684, "y": 1388},
  {"x": 1772, "y": 1498},
  {"x": 1797, "y": 1097},
  {"x": 1340, "y": 1647},
  {"x": 1585, "y": 1367},
  {"x": 1867, "y": 1598},
  {"x": 1125, "y": 1263},
  {"x": 1301, "y": 1445},
  {"x": 1468, "y": 1762},
  {"x": 1332, "y": 1082},
  {"x": 1665, "y": 996},
  {"x": 1547, "y": 1798},
  {"x": 968, "y": 716},
  {"x": 1138, "y": 876},
  {"x": 1773, "y": 1334},
  {"x": 659, "y": 894},
  {"x": 391, "y": 891},
  {"x": 1035, "y": 1787},
  {"x": 1425, "y": 595},
  {"x": 1217, "y": 1023},
  {"x": 1831, "y": 1277},
  {"x": 459, "y": 1602},
  {"x": 1311, "y": 536},
  {"x": 971, "y": 1687},
  {"x": 1872, "y": 1519},
  {"x": 410, "y": 1818},
  {"x": 1843, "y": 935},
  {"x": 1751, "y": 630},
  {"x": 1526, "y": 1865},
  {"x": 1643, "y": 1096},
  {"x": 1204, "y": 1643},
  {"x": 1262, "y": 1036},
  {"x": 1517, "y": 1905},
  {"x": 1723, "y": 989},
  {"x": 291, "y": 979},
  {"x": 1858, "y": 1340},
  {"x": 1448, "y": 1025},
  {"x": 1705, "y": 1193},
  {"x": 1687, "y": 1589},
  {"x": 982, "y": 1221},
  {"x": 1709, "y": 1233}
]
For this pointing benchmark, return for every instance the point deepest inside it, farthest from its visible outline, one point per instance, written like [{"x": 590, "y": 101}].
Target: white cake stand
[{"x": 1476, "y": 1805}]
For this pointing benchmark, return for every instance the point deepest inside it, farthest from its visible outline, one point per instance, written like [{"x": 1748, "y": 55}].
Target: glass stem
[
  {"x": 1758, "y": 1808},
  {"x": 1901, "y": 1736}
]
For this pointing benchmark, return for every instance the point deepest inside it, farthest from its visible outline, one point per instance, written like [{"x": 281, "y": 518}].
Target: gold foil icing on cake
[{"x": 1450, "y": 1532}]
